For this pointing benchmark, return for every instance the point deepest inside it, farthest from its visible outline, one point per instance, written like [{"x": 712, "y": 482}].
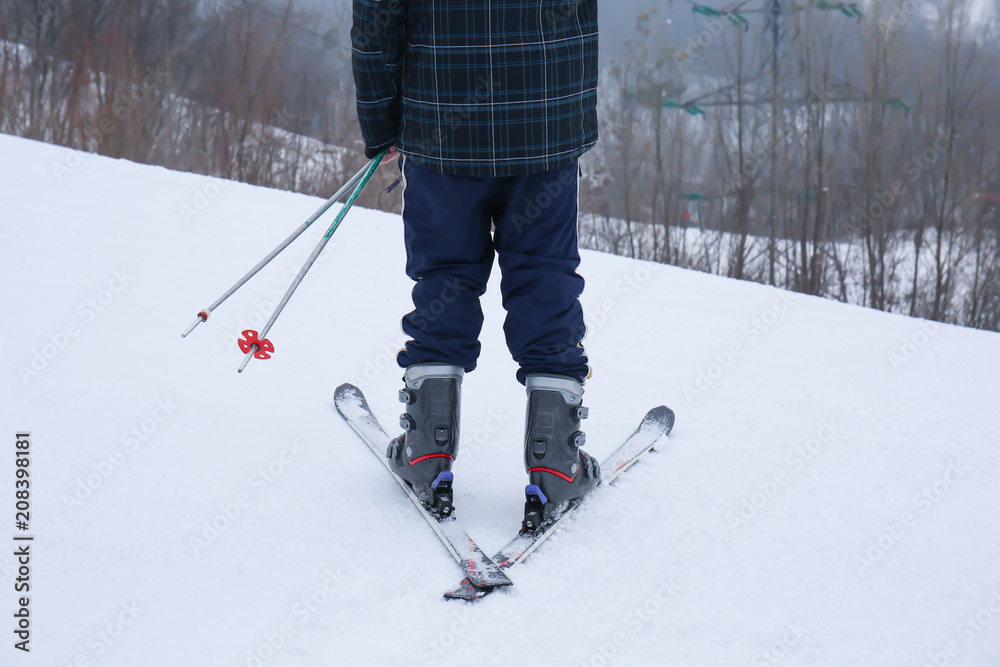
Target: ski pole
[
  {"x": 203, "y": 315},
  {"x": 256, "y": 345}
]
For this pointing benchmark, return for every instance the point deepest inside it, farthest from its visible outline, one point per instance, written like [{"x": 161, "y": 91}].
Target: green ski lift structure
[{"x": 735, "y": 14}]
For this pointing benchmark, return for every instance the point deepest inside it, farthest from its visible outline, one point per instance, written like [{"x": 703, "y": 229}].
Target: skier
[{"x": 487, "y": 105}]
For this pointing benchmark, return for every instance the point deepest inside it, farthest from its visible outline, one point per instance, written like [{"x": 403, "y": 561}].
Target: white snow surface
[{"x": 829, "y": 495}]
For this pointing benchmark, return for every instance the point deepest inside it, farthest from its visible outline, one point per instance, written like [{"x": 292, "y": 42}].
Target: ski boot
[
  {"x": 423, "y": 454},
  {"x": 559, "y": 472}
]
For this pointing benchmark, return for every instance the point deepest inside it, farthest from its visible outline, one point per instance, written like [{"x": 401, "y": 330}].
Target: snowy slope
[{"x": 829, "y": 495}]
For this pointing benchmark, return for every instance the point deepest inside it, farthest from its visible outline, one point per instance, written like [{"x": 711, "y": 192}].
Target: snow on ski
[
  {"x": 657, "y": 424},
  {"x": 478, "y": 567}
]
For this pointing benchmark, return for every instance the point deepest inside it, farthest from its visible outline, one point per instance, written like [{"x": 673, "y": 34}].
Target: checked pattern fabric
[{"x": 477, "y": 87}]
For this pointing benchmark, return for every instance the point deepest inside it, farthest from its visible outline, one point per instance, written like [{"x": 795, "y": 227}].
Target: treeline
[
  {"x": 244, "y": 89},
  {"x": 858, "y": 161}
]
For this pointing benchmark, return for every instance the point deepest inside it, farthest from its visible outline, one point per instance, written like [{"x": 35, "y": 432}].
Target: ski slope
[{"x": 828, "y": 497}]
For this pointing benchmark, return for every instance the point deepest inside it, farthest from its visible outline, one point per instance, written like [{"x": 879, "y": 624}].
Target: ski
[
  {"x": 655, "y": 425},
  {"x": 478, "y": 567}
]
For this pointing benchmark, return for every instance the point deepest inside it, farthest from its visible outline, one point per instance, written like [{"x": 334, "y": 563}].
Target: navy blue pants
[{"x": 449, "y": 253}]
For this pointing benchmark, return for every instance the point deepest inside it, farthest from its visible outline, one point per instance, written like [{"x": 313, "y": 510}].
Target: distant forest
[{"x": 837, "y": 149}]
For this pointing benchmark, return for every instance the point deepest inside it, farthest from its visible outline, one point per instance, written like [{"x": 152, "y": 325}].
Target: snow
[{"x": 860, "y": 448}]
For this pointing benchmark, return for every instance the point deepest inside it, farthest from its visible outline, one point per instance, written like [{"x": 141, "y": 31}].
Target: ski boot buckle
[
  {"x": 442, "y": 502},
  {"x": 534, "y": 509}
]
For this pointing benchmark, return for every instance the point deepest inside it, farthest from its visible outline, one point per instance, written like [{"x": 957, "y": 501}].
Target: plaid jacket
[{"x": 477, "y": 87}]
